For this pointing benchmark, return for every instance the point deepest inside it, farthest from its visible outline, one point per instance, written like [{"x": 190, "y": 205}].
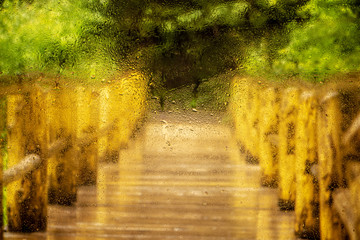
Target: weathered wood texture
[
  {"x": 109, "y": 105},
  {"x": 326, "y": 130},
  {"x": 134, "y": 91},
  {"x": 29, "y": 163},
  {"x": 287, "y": 142},
  {"x": 238, "y": 106},
  {"x": 268, "y": 130},
  {"x": 86, "y": 121},
  {"x": 348, "y": 212},
  {"x": 252, "y": 110},
  {"x": 63, "y": 166},
  {"x": 347, "y": 200},
  {"x": 3, "y": 111},
  {"x": 73, "y": 115},
  {"x": 307, "y": 187},
  {"x": 104, "y": 119},
  {"x": 122, "y": 102},
  {"x": 27, "y": 198},
  {"x": 116, "y": 113},
  {"x": 15, "y": 144},
  {"x": 330, "y": 163}
]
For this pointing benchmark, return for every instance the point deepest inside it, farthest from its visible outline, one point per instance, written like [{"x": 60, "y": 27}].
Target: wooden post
[
  {"x": 87, "y": 154},
  {"x": 104, "y": 120},
  {"x": 27, "y": 198},
  {"x": 133, "y": 91},
  {"x": 268, "y": 132},
  {"x": 240, "y": 93},
  {"x": 16, "y": 151},
  {"x": 330, "y": 163},
  {"x": 129, "y": 93},
  {"x": 235, "y": 104},
  {"x": 2, "y": 162},
  {"x": 1, "y": 202},
  {"x": 116, "y": 115},
  {"x": 63, "y": 167},
  {"x": 287, "y": 128},
  {"x": 252, "y": 138},
  {"x": 347, "y": 200},
  {"x": 307, "y": 200}
]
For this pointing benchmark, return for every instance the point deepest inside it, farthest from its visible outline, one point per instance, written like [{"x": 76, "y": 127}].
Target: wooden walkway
[{"x": 182, "y": 179}]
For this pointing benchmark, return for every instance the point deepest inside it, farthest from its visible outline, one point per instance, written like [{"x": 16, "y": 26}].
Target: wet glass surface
[
  {"x": 176, "y": 180},
  {"x": 187, "y": 119}
]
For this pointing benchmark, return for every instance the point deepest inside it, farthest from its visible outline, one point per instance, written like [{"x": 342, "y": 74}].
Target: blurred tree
[
  {"x": 176, "y": 42},
  {"x": 49, "y": 36},
  {"x": 187, "y": 41},
  {"x": 329, "y": 43}
]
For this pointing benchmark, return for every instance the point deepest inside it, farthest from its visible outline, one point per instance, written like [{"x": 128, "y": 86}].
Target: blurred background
[{"x": 188, "y": 49}]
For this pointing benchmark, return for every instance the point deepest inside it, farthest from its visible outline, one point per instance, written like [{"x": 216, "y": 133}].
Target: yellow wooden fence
[
  {"x": 305, "y": 139},
  {"x": 86, "y": 124}
]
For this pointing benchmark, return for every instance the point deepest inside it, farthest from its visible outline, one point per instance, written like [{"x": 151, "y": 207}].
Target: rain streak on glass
[{"x": 220, "y": 119}]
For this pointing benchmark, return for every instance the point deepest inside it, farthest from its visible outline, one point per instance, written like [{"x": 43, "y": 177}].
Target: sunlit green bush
[
  {"x": 51, "y": 36},
  {"x": 328, "y": 44},
  {"x": 180, "y": 42}
]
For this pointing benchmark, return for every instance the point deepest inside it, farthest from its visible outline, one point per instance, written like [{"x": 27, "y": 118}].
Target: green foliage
[
  {"x": 214, "y": 93},
  {"x": 193, "y": 103},
  {"x": 180, "y": 42},
  {"x": 190, "y": 41},
  {"x": 329, "y": 43},
  {"x": 49, "y": 36}
]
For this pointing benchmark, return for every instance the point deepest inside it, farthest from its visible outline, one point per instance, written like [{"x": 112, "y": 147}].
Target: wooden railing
[
  {"x": 32, "y": 162},
  {"x": 55, "y": 139},
  {"x": 306, "y": 140}
]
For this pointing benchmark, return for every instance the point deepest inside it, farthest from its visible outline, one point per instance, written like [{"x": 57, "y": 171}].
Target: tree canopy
[
  {"x": 180, "y": 42},
  {"x": 327, "y": 44},
  {"x": 188, "y": 41}
]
